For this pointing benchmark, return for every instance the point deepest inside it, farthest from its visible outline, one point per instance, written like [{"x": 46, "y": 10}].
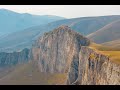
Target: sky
[{"x": 67, "y": 11}]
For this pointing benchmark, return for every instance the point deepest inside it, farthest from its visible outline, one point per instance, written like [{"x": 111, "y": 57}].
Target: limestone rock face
[
  {"x": 95, "y": 69},
  {"x": 65, "y": 51},
  {"x": 55, "y": 50},
  {"x": 13, "y": 58}
]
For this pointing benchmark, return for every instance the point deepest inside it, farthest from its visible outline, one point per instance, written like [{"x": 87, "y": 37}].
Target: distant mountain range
[
  {"x": 108, "y": 33},
  {"x": 24, "y": 38},
  {"x": 86, "y": 25},
  {"x": 12, "y": 21}
]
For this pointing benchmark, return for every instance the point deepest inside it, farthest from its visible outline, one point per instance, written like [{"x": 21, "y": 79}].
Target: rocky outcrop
[
  {"x": 65, "y": 51},
  {"x": 94, "y": 69},
  {"x": 13, "y": 58},
  {"x": 55, "y": 50}
]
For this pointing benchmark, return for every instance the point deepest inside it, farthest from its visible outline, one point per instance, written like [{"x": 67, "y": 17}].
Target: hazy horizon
[{"x": 67, "y": 11}]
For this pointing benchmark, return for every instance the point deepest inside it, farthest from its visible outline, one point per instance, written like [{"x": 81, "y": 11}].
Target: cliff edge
[{"x": 95, "y": 68}]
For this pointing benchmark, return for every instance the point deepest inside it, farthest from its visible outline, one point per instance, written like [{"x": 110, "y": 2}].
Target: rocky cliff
[
  {"x": 55, "y": 50},
  {"x": 13, "y": 58},
  {"x": 66, "y": 51},
  {"x": 94, "y": 69}
]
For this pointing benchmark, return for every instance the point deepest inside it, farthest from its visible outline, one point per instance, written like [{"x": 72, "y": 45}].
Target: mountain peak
[
  {"x": 7, "y": 11},
  {"x": 62, "y": 30},
  {"x": 65, "y": 28}
]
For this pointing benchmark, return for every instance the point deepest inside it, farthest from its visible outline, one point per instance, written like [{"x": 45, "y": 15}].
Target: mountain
[
  {"x": 62, "y": 56},
  {"x": 66, "y": 51},
  {"x": 1, "y": 34},
  {"x": 108, "y": 33},
  {"x": 24, "y": 38},
  {"x": 64, "y": 44},
  {"x": 12, "y": 21},
  {"x": 21, "y": 39}
]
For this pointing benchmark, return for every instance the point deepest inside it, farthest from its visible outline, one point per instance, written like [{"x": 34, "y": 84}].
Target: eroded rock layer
[{"x": 13, "y": 58}]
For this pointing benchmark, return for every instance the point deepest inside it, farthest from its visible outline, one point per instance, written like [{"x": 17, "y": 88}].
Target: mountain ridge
[
  {"x": 82, "y": 25},
  {"x": 114, "y": 43},
  {"x": 19, "y": 21},
  {"x": 103, "y": 34}
]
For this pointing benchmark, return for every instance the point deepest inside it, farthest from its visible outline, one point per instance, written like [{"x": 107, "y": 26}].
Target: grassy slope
[
  {"x": 28, "y": 74},
  {"x": 5, "y": 70},
  {"x": 114, "y": 55},
  {"x": 112, "y": 52}
]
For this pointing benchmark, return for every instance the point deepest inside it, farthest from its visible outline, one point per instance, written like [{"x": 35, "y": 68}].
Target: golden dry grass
[
  {"x": 28, "y": 74},
  {"x": 113, "y": 53}
]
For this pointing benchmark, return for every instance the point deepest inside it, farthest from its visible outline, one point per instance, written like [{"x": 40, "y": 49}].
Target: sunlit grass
[{"x": 113, "y": 53}]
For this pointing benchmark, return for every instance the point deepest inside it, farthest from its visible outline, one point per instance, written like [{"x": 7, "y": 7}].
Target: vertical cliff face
[
  {"x": 95, "y": 69},
  {"x": 13, "y": 58},
  {"x": 55, "y": 50}
]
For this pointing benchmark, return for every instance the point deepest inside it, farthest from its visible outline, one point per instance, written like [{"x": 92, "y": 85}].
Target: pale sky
[{"x": 68, "y": 11}]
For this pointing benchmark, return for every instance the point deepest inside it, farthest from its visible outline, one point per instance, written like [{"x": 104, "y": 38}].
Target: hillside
[
  {"x": 25, "y": 38},
  {"x": 12, "y": 21},
  {"x": 86, "y": 25},
  {"x": 21, "y": 39},
  {"x": 114, "y": 43},
  {"x": 28, "y": 74},
  {"x": 108, "y": 33}
]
